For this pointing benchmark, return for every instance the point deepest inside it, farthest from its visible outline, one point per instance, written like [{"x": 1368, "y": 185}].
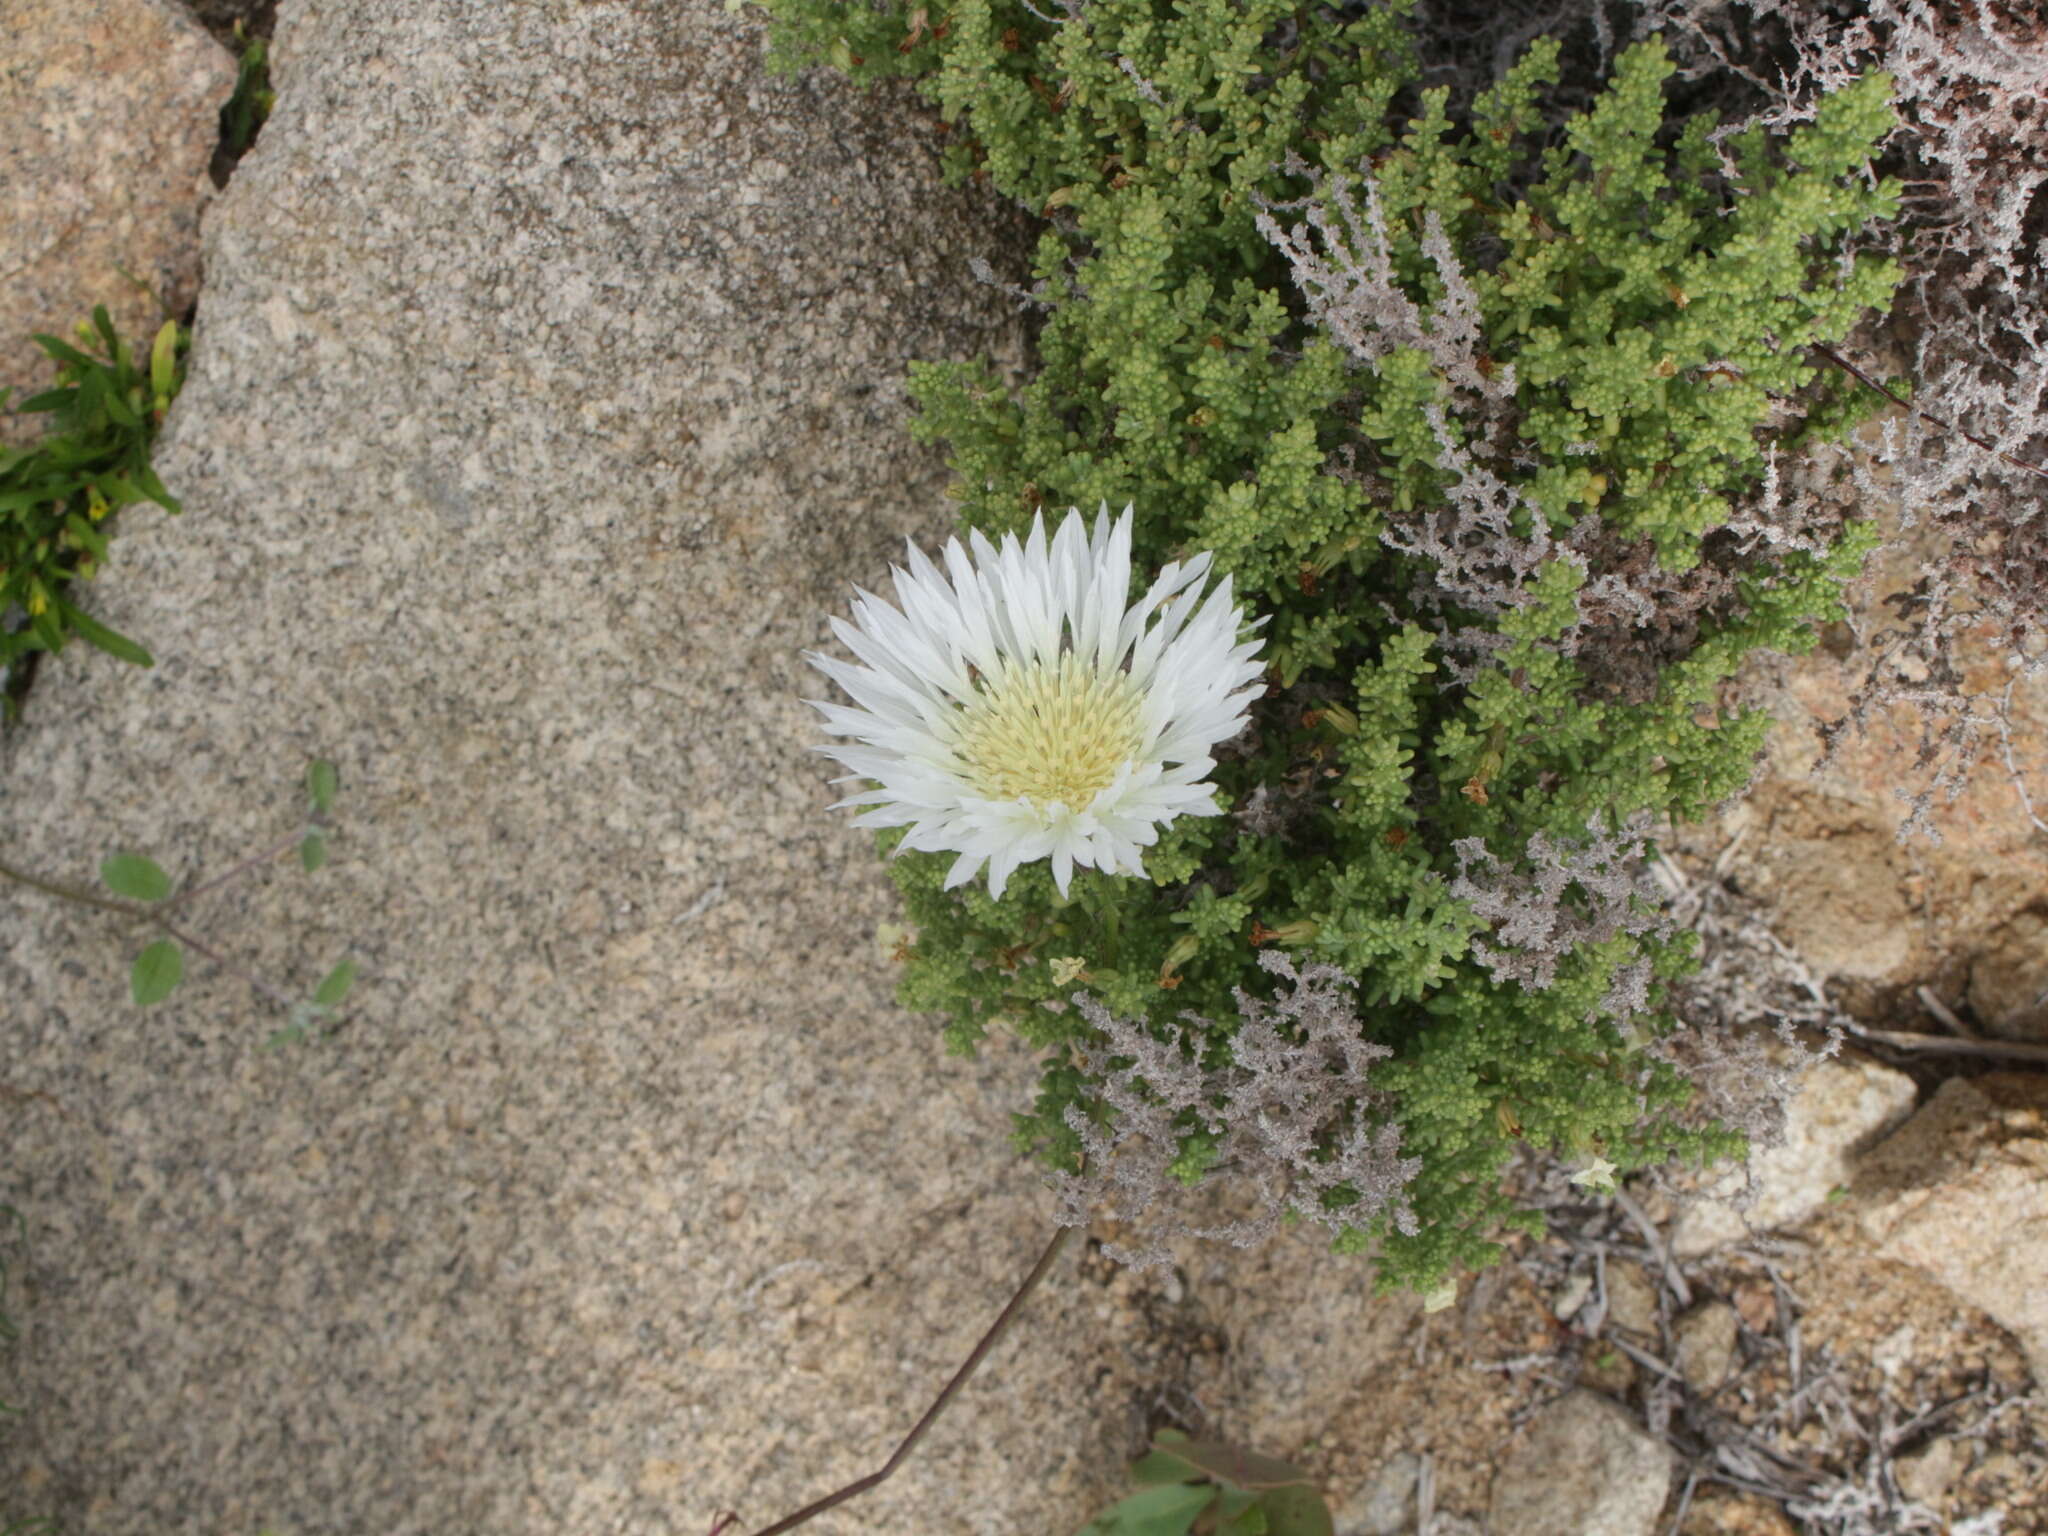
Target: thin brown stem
[
  {"x": 127, "y": 909},
  {"x": 979, "y": 1353},
  {"x": 207, "y": 952},
  {"x": 254, "y": 859},
  {"x": 136, "y": 912},
  {"x": 2010, "y": 1050},
  {"x": 1861, "y": 377}
]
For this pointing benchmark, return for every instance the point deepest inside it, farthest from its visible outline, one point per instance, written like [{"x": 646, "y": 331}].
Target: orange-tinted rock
[
  {"x": 112, "y": 110},
  {"x": 1967, "y": 915}
]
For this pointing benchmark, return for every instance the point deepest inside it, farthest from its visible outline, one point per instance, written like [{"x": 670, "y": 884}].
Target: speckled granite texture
[
  {"x": 546, "y": 397},
  {"x": 112, "y": 111}
]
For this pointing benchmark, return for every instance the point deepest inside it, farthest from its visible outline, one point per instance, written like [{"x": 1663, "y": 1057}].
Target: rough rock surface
[
  {"x": 1962, "y": 1192},
  {"x": 1586, "y": 1468},
  {"x": 1384, "y": 1506},
  {"x": 546, "y": 398},
  {"x": 1703, "y": 1345},
  {"x": 112, "y": 111},
  {"x": 1967, "y": 914},
  {"x": 220, "y": 16},
  {"x": 1844, "y": 1104}
]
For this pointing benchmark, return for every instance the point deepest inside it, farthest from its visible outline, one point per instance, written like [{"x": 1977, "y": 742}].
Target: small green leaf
[
  {"x": 86, "y": 536},
  {"x": 163, "y": 362},
  {"x": 312, "y": 852},
  {"x": 121, "y": 410},
  {"x": 62, "y": 351},
  {"x": 1160, "y": 1465},
  {"x": 331, "y": 991},
  {"x": 104, "y": 324},
  {"x": 49, "y": 633},
  {"x": 1235, "y": 1502},
  {"x": 1163, "y": 1511},
  {"x": 153, "y": 488},
  {"x": 297, "y": 1031},
  {"x": 321, "y": 783},
  {"x": 137, "y": 878},
  {"x": 1296, "y": 1511},
  {"x": 158, "y": 969},
  {"x": 1228, "y": 1464},
  {"x": 115, "y": 645}
]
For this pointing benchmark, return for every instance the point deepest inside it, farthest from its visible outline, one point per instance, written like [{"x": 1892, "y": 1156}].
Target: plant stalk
[
  {"x": 72, "y": 893},
  {"x": 191, "y": 892},
  {"x": 980, "y": 1352}
]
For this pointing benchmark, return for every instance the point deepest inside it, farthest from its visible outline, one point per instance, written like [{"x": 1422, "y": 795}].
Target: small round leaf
[
  {"x": 312, "y": 852},
  {"x": 321, "y": 783},
  {"x": 157, "y": 970},
  {"x": 133, "y": 876},
  {"x": 332, "y": 990}
]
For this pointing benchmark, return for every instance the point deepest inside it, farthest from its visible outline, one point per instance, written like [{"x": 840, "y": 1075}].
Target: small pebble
[
  {"x": 1928, "y": 1473},
  {"x": 1704, "y": 1345},
  {"x": 1631, "y": 1300}
]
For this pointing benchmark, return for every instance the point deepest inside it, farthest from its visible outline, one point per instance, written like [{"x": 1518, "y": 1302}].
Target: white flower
[
  {"x": 1597, "y": 1175},
  {"x": 1019, "y": 706}
]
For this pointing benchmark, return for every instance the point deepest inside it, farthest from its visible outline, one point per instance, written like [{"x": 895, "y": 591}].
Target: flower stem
[
  {"x": 207, "y": 952},
  {"x": 72, "y": 893},
  {"x": 136, "y": 912},
  {"x": 240, "y": 869},
  {"x": 989, "y": 1340}
]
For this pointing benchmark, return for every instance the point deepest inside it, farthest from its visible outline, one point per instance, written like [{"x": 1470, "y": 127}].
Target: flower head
[
  {"x": 1597, "y": 1175},
  {"x": 1019, "y": 706}
]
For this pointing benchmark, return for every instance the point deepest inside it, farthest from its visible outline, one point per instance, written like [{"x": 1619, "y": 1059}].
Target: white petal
[{"x": 998, "y": 612}]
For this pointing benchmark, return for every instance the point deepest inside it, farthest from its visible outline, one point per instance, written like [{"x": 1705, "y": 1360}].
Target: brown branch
[
  {"x": 193, "y": 892},
  {"x": 127, "y": 909},
  {"x": 207, "y": 952},
  {"x": 989, "y": 1340},
  {"x": 153, "y": 915},
  {"x": 2015, "y": 1050},
  {"x": 1861, "y": 377}
]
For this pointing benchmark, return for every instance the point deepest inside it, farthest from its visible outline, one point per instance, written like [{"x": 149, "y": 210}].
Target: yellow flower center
[{"x": 1045, "y": 733}]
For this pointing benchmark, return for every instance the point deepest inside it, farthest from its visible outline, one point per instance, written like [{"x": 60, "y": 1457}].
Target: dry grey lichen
[
  {"x": 1346, "y": 273},
  {"x": 1570, "y": 895},
  {"x": 1291, "y": 1114}
]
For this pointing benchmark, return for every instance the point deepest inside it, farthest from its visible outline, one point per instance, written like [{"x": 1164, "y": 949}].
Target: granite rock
[
  {"x": 1385, "y": 1506},
  {"x": 1926, "y": 1475},
  {"x": 1962, "y": 1193},
  {"x": 1632, "y": 1301},
  {"x": 1844, "y": 1104},
  {"x": 1585, "y": 1468},
  {"x": 546, "y": 398},
  {"x": 112, "y": 110},
  {"x": 220, "y": 17},
  {"x": 1703, "y": 1345},
  {"x": 1960, "y": 911}
]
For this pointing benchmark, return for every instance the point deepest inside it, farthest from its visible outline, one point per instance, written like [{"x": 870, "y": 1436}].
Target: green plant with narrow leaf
[
  {"x": 1206, "y": 1488},
  {"x": 59, "y": 494},
  {"x": 250, "y": 105},
  {"x": 145, "y": 895}
]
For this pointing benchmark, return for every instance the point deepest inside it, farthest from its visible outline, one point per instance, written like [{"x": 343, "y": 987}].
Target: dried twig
[
  {"x": 980, "y": 1352},
  {"x": 1863, "y": 378},
  {"x": 2009, "y": 1050},
  {"x": 1648, "y": 1228}
]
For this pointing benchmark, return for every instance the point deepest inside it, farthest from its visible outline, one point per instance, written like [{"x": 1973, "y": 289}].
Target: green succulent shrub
[{"x": 1476, "y": 412}]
